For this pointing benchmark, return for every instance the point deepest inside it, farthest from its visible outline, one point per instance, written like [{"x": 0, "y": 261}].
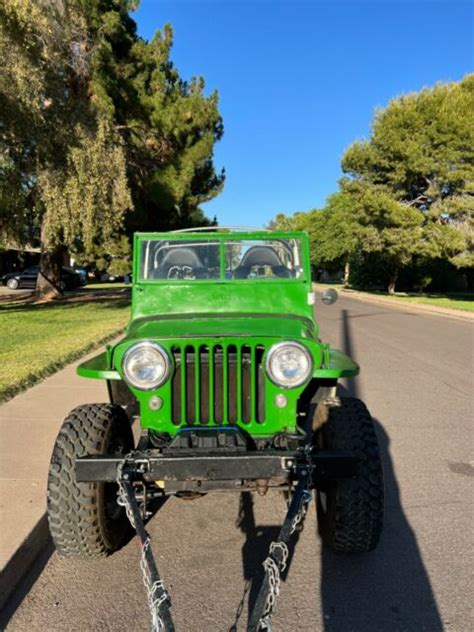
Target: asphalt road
[{"x": 417, "y": 379}]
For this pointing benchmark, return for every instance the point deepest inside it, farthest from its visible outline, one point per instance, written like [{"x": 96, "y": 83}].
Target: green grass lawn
[
  {"x": 463, "y": 301},
  {"x": 39, "y": 339}
]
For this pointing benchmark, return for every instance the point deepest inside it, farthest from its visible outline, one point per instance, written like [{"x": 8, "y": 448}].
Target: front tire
[
  {"x": 350, "y": 511},
  {"x": 85, "y": 519}
]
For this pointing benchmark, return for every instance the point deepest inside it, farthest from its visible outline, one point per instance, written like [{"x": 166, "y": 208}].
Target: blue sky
[{"x": 299, "y": 81}]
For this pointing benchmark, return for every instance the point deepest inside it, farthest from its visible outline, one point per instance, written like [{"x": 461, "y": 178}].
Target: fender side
[
  {"x": 98, "y": 368},
  {"x": 336, "y": 364}
]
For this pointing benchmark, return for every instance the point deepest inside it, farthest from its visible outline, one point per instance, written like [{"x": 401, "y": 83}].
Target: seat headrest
[
  {"x": 182, "y": 257},
  {"x": 179, "y": 258},
  {"x": 260, "y": 256}
]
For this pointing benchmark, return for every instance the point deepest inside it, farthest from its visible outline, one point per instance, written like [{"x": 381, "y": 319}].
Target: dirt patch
[{"x": 83, "y": 295}]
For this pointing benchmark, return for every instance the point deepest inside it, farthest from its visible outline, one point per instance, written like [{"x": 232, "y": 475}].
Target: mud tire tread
[
  {"x": 77, "y": 518},
  {"x": 354, "y": 518}
]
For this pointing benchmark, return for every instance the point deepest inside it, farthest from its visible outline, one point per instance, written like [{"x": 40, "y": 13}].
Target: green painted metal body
[{"x": 214, "y": 320}]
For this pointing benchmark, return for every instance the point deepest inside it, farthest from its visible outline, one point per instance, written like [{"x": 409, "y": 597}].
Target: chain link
[
  {"x": 274, "y": 569},
  {"x": 301, "y": 515},
  {"x": 122, "y": 499},
  {"x": 155, "y": 591}
]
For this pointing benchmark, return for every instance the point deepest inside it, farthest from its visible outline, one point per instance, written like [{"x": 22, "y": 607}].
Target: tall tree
[
  {"x": 335, "y": 231},
  {"x": 168, "y": 125},
  {"x": 357, "y": 221},
  {"x": 382, "y": 225},
  {"x": 421, "y": 154},
  {"x": 58, "y": 147},
  {"x": 98, "y": 132}
]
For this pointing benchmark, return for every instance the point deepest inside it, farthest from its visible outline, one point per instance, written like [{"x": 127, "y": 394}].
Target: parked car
[
  {"x": 70, "y": 278},
  {"x": 106, "y": 277}
]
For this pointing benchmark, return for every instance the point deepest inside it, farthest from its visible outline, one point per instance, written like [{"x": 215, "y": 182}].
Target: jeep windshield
[{"x": 220, "y": 259}]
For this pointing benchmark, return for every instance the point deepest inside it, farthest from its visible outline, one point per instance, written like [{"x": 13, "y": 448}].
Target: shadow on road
[
  {"x": 254, "y": 552},
  {"x": 40, "y": 548},
  {"x": 28, "y": 564},
  {"x": 388, "y": 589}
]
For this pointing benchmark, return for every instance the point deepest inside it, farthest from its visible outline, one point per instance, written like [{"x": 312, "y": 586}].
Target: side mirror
[{"x": 329, "y": 296}]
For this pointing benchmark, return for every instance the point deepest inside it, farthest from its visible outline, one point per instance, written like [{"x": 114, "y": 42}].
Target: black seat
[
  {"x": 178, "y": 263},
  {"x": 261, "y": 256}
]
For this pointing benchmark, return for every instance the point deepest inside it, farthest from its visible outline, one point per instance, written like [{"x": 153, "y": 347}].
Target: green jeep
[{"x": 223, "y": 367}]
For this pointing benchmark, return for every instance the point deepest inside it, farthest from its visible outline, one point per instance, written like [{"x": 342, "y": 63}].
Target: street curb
[
  {"x": 416, "y": 307},
  {"x": 20, "y": 563}
]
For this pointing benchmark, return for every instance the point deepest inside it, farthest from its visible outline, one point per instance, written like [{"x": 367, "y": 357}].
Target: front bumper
[{"x": 206, "y": 471}]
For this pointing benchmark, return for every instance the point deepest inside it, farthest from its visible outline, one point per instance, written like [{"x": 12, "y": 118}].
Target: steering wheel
[{"x": 181, "y": 272}]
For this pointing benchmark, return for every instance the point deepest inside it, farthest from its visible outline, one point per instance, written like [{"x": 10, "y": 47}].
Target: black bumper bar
[{"x": 155, "y": 466}]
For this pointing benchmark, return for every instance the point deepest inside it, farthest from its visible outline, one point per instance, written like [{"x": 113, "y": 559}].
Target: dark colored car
[
  {"x": 106, "y": 277},
  {"x": 70, "y": 278}
]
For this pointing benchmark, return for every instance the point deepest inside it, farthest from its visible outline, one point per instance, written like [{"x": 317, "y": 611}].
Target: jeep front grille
[{"x": 218, "y": 384}]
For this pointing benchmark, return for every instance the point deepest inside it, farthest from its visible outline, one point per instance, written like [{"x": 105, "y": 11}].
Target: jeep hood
[{"x": 221, "y": 325}]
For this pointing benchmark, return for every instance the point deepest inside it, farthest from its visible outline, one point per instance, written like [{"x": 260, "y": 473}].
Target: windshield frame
[{"x": 222, "y": 238}]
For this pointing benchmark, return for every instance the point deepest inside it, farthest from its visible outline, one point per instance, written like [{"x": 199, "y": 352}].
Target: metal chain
[
  {"x": 301, "y": 515},
  {"x": 122, "y": 499},
  {"x": 274, "y": 569},
  {"x": 152, "y": 588}
]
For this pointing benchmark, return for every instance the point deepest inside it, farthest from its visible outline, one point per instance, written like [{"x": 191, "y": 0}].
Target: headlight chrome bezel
[
  {"x": 149, "y": 345},
  {"x": 277, "y": 347}
]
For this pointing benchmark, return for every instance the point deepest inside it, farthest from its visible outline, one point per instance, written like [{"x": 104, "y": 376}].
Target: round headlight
[
  {"x": 146, "y": 365},
  {"x": 289, "y": 364}
]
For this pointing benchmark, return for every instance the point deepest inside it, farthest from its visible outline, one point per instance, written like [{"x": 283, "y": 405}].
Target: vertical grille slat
[
  {"x": 190, "y": 369},
  {"x": 238, "y": 370},
  {"x": 253, "y": 388},
  {"x": 225, "y": 385},
  {"x": 232, "y": 385},
  {"x": 183, "y": 384},
  {"x": 176, "y": 388},
  {"x": 211, "y": 384},
  {"x": 260, "y": 394},
  {"x": 246, "y": 370},
  {"x": 218, "y": 384},
  {"x": 197, "y": 384}
]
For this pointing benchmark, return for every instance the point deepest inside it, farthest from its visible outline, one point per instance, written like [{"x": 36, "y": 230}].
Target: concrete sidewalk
[{"x": 29, "y": 424}]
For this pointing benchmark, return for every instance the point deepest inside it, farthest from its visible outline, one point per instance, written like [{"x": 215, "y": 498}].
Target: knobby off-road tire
[
  {"x": 84, "y": 518},
  {"x": 350, "y": 511}
]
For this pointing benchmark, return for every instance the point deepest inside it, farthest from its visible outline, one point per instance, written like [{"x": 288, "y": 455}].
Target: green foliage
[
  {"x": 86, "y": 199},
  {"x": 168, "y": 126},
  {"x": 407, "y": 198},
  {"x": 113, "y": 256},
  {"x": 421, "y": 154},
  {"x": 310, "y": 222},
  {"x": 59, "y": 153},
  {"x": 99, "y": 134}
]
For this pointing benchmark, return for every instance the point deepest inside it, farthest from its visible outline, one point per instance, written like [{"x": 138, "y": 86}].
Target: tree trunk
[
  {"x": 347, "y": 271},
  {"x": 392, "y": 282},
  {"x": 48, "y": 284},
  {"x": 470, "y": 278}
]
